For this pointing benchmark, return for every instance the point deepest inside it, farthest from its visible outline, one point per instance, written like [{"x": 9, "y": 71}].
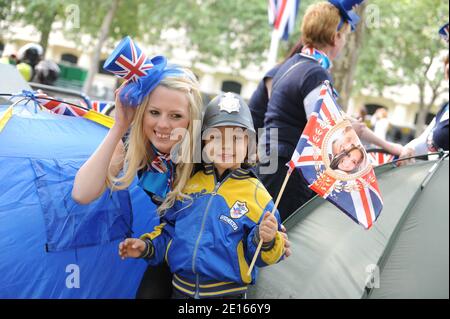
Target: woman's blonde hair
[
  {"x": 320, "y": 23},
  {"x": 138, "y": 150}
]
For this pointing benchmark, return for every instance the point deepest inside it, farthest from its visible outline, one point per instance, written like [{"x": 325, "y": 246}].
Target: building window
[
  {"x": 231, "y": 86},
  {"x": 69, "y": 58},
  {"x": 371, "y": 108},
  {"x": 430, "y": 117}
]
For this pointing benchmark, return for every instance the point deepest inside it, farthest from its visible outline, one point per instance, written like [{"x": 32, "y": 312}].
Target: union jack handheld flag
[
  {"x": 282, "y": 15},
  {"x": 334, "y": 163},
  {"x": 128, "y": 61},
  {"x": 378, "y": 158}
]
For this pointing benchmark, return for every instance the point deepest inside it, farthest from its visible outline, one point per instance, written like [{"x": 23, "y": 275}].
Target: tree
[
  {"x": 402, "y": 48},
  {"x": 39, "y": 13},
  {"x": 103, "y": 34},
  {"x": 344, "y": 67},
  {"x": 215, "y": 31},
  {"x": 5, "y": 9},
  {"x": 235, "y": 32}
]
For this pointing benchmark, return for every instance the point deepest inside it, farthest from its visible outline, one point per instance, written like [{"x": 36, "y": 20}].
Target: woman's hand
[
  {"x": 268, "y": 228},
  {"x": 287, "y": 243},
  {"x": 131, "y": 247},
  {"x": 394, "y": 148},
  {"x": 406, "y": 152},
  {"x": 124, "y": 114}
]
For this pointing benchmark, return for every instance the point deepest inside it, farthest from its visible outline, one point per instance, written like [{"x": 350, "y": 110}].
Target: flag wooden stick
[{"x": 280, "y": 194}]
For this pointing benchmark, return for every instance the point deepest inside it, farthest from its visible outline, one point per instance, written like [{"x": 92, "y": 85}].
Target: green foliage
[
  {"x": 5, "y": 9},
  {"x": 39, "y": 13},
  {"x": 399, "y": 51},
  {"x": 392, "y": 54},
  {"x": 218, "y": 30}
]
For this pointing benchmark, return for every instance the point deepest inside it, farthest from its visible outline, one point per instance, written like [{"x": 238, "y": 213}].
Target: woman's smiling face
[
  {"x": 167, "y": 110},
  {"x": 351, "y": 161}
]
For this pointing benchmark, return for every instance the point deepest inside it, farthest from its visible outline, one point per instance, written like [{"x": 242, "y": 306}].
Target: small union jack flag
[
  {"x": 128, "y": 61},
  {"x": 381, "y": 158},
  {"x": 60, "y": 107},
  {"x": 282, "y": 15},
  {"x": 100, "y": 106},
  {"x": 332, "y": 160}
]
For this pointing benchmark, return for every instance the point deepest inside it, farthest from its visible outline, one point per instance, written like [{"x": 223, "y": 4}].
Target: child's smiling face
[{"x": 226, "y": 147}]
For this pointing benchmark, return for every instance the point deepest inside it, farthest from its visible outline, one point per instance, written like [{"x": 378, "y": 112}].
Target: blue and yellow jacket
[{"x": 209, "y": 241}]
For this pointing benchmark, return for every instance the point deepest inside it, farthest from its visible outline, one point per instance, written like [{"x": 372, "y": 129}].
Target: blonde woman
[{"x": 167, "y": 119}]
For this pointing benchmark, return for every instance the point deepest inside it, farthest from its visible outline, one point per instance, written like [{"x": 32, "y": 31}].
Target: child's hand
[
  {"x": 268, "y": 228},
  {"x": 131, "y": 247},
  {"x": 287, "y": 243}
]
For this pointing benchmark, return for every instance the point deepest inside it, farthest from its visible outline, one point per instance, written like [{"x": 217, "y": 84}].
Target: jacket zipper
[{"x": 205, "y": 214}]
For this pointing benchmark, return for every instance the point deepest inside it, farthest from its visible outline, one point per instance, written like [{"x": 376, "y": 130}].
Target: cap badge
[{"x": 229, "y": 103}]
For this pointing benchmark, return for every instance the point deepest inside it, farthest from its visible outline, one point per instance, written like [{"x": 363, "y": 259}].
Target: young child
[
  {"x": 348, "y": 161},
  {"x": 209, "y": 237}
]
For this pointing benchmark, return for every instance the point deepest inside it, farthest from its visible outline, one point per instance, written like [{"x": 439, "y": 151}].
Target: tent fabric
[
  {"x": 108, "y": 218},
  {"x": 417, "y": 265},
  {"x": 39, "y": 156},
  {"x": 332, "y": 258}
]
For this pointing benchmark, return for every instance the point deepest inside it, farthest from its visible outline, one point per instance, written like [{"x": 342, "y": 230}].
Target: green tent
[{"x": 404, "y": 255}]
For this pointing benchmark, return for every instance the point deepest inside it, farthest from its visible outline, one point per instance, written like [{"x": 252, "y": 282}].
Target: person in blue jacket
[
  {"x": 259, "y": 99},
  {"x": 295, "y": 89},
  {"x": 210, "y": 235},
  {"x": 436, "y": 135}
]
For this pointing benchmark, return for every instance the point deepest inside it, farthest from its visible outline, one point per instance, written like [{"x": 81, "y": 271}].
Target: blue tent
[{"x": 51, "y": 247}]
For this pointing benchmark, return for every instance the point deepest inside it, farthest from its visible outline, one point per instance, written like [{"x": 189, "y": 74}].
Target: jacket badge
[{"x": 238, "y": 209}]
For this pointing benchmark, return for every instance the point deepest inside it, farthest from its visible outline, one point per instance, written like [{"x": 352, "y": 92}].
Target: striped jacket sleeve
[{"x": 156, "y": 243}]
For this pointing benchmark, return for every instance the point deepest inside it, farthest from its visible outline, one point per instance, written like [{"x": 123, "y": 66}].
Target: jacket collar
[{"x": 240, "y": 173}]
